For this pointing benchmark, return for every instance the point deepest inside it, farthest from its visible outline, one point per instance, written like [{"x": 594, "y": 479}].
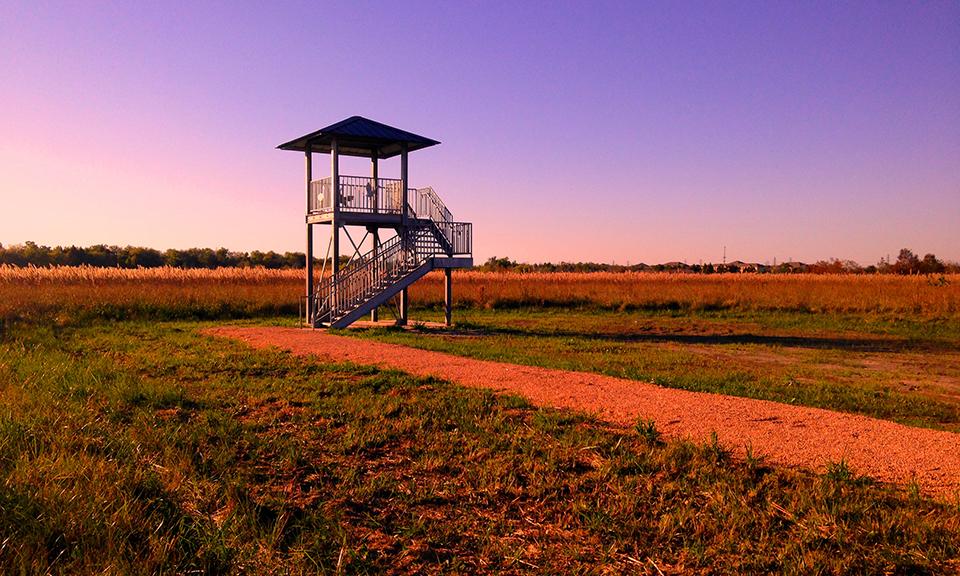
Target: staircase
[{"x": 431, "y": 240}]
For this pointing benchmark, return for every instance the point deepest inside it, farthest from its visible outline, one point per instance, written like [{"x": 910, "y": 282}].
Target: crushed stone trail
[{"x": 783, "y": 434}]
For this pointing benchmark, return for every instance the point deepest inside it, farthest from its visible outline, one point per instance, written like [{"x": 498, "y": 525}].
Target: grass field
[
  {"x": 141, "y": 447},
  {"x": 129, "y": 443}
]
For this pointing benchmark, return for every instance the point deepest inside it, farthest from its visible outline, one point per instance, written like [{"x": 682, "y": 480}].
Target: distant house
[
  {"x": 676, "y": 267},
  {"x": 794, "y": 267},
  {"x": 737, "y": 266},
  {"x": 752, "y": 267}
]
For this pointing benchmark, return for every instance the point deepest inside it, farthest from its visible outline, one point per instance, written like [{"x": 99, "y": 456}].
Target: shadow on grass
[{"x": 888, "y": 345}]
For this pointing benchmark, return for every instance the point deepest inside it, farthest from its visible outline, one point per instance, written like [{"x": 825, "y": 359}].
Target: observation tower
[{"x": 407, "y": 232}]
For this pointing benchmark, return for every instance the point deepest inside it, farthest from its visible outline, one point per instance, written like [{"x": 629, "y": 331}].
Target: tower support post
[
  {"x": 375, "y": 232},
  {"x": 448, "y": 296},
  {"x": 404, "y": 307},
  {"x": 405, "y": 185},
  {"x": 335, "y": 220},
  {"x": 309, "y": 263},
  {"x": 405, "y": 215},
  {"x": 375, "y": 313}
]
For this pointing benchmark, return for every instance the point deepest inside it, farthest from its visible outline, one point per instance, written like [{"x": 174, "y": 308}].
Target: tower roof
[{"x": 359, "y": 136}]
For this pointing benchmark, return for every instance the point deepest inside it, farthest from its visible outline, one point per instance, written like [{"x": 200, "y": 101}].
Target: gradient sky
[{"x": 641, "y": 131}]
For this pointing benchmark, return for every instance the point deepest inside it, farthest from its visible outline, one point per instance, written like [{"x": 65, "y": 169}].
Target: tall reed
[{"x": 61, "y": 293}]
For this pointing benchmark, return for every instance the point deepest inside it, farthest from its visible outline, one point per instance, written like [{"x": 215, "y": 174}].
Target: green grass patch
[{"x": 887, "y": 367}]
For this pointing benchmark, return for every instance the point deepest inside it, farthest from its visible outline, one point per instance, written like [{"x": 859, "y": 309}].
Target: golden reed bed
[
  {"x": 256, "y": 291},
  {"x": 818, "y": 293}
]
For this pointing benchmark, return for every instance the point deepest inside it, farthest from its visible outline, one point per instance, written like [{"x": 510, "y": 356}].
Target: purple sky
[{"x": 606, "y": 132}]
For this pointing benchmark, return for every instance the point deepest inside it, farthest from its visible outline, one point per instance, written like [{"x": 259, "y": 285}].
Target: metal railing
[
  {"x": 459, "y": 236},
  {"x": 369, "y": 274},
  {"x": 361, "y": 194},
  {"x": 433, "y": 233},
  {"x": 426, "y": 204},
  {"x": 357, "y": 194},
  {"x": 320, "y": 199}
]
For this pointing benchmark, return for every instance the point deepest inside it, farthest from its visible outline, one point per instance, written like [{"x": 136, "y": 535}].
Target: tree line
[
  {"x": 906, "y": 263},
  {"x": 101, "y": 255}
]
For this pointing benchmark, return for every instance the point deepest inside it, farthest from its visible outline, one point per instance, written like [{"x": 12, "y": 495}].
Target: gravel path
[{"x": 783, "y": 434}]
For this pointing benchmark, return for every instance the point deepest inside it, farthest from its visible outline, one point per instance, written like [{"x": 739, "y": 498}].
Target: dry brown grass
[
  {"x": 89, "y": 275},
  {"x": 62, "y": 293},
  {"x": 814, "y": 293},
  {"x": 245, "y": 292}
]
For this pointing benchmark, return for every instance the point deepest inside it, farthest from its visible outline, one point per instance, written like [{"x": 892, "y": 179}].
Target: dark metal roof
[{"x": 359, "y": 136}]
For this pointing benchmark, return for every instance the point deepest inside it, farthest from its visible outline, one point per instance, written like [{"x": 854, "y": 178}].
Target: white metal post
[
  {"x": 448, "y": 296},
  {"x": 309, "y": 255},
  {"x": 374, "y": 174},
  {"x": 335, "y": 196},
  {"x": 404, "y": 186}
]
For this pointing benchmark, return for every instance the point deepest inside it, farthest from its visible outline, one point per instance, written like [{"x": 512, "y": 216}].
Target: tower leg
[
  {"x": 308, "y": 280},
  {"x": 335, "y": 240},
  {"x": 404, "y": 306},
  {"x": 448, "y": 296},
  {"x": 375, "y": 313},
  {"x": 309, "y": 276}
]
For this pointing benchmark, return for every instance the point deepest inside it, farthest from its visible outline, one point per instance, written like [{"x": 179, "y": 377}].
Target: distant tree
[
  {"x": 835, "y": 266},
  {"x": 36, "y": 255},
  {"x": 11, "y": 256},
  {"x": 223, "y": 258},
  {"x": 99, "y": 255},
  {"x": 907, "y": 262},
  {"x": 822, "y": 267},
  {"x": 294, "y": 259},
  {"x": 137, "y": 257},
  {"x": 851, "y": 267},
  {"x": 172, "y": 258},
  {"x": 72, "y": 256},
  {"x": 930, "y": 265},
  {"x": 497, "y": 264}
]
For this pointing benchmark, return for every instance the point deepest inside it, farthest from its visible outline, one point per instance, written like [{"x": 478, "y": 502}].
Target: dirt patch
[{"x": 784, "y": 434}]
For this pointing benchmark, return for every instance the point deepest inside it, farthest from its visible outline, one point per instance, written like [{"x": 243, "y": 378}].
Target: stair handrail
[
  {"x": 327, "y": 285},
  {"x": 359, "y": 262},
  {"x": 430, "y": 206},
  {"x": 352, "y": 285}
]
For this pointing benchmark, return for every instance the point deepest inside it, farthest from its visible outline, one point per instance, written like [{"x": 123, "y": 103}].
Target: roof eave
[
  {"x": 360, "y": 142},
  {"x": 300, "y": 145}
]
